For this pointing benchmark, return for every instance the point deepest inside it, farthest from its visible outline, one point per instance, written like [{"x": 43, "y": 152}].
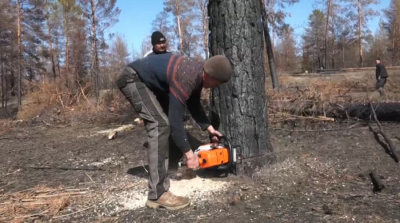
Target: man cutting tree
[{"x": 160, "y": 87}]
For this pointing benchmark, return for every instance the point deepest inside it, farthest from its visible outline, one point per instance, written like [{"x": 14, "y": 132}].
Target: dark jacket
[
  {"x": 179, "y": 78},
  {"x": 381, "y": 71}
]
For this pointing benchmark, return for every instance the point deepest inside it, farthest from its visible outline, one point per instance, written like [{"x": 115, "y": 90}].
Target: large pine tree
[{"x": 239, "y": 107}]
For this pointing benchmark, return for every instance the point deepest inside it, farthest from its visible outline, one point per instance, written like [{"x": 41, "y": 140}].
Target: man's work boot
[{"x": 169, "y": 202}]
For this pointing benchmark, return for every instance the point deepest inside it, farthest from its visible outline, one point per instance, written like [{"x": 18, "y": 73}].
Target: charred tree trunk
[
  {"x": 238, "y": 108},
  {"x": 270, "y": 52},
  {"x": 19, "y": 84}
]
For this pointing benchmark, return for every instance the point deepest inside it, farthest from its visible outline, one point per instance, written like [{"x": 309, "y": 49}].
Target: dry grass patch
[{"x": 36, "y": 202}]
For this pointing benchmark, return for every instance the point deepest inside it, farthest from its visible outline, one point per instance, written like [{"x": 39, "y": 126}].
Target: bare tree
[
  {"x": 286, "y": 50},
  {"x": 69, "y": 9},
  {"x": 364, "y": 13},
  {"x": 179, "y": 9},
  {"x": 269, "y": 47},
  {"x": 328, "y": 15},
  {"x": 204, "y": 21},
  {"x": 313, "y": 42},
  {"x": 49, "y": 38},
  {"x": 392, "y": 25},
  {"x": 101, "y": 14},
  {"x": 19, "y": 16}
]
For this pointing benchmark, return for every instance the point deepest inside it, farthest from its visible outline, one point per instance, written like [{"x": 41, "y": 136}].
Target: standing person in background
[
  {"x": 381, "y": 76},
  {"x": 159, "y": 43}
]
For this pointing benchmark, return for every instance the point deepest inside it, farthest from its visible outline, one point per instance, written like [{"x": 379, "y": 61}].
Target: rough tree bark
[
  {"x": 238, "y": 108},
  {"x": 360, "y": 33},
  {"x": 270, "y": 52},
  {"x": 96, "y": 56},
  {"x": 19, "y": 55}
]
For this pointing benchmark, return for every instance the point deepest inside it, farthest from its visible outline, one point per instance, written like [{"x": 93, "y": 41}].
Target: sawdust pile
[{"x": 134, "y": 196}]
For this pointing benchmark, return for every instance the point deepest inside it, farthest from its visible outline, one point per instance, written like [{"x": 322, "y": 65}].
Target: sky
[{"x": 136, "y": 17}]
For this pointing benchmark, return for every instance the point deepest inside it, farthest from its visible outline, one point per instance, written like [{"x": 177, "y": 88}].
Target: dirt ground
[
  {"x": 320, "y": 176},
  {"x": 60, "y": 172}
]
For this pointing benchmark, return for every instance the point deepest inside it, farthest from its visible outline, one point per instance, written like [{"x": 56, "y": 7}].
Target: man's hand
[
  {"x": 214, "y": 134},
  {"x": 192, "y": 161}
]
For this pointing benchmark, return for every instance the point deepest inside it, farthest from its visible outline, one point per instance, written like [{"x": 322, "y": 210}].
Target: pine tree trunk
[
  {"x": 238, "y": 108},
  {"x": 270, "y": 52},
  {"x": 19, "y": 84},
  {"x": 394, "y": 51},
  {"x": 344, "y": 65},
  {"x": 360, "y": 33},
  {"x": 53, "y": 65},
  {"x": 326, "y": 32},
  {"x": 204, "y": 21},
  {"x": 178, "y": 23},
  {"x": 96, "y": 56},
  {"x": 66, "y": 24},
  {"x": 3, "y": 79}
]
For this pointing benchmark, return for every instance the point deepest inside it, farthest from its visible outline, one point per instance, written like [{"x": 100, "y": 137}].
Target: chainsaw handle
[
  {"x": 183, "y": 162},
  {"x": 228, "y": 144}
]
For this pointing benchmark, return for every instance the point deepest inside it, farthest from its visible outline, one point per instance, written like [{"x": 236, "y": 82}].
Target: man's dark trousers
[{"x": 146, "y": 104}]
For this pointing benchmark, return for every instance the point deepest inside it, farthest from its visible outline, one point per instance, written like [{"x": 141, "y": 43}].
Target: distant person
[
  {"x": 159, "y": 43},
  {"x": 381, "y": 76}
]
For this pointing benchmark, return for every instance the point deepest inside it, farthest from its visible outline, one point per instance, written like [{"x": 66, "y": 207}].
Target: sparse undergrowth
[{"x": 318, "y": 95}]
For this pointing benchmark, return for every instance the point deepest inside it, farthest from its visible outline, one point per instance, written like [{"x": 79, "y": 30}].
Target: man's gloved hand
[
  {"x": 214, "y": 134},
  {"x": 192, "y": 161}
]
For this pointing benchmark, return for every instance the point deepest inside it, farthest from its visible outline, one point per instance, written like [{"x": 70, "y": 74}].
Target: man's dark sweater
[
  {"x": 180, "y": 78},
  {"x": 381, "y": 71}
]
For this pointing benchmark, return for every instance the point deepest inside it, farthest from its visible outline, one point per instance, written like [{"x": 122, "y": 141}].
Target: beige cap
[{"x": 219, "y": 67}]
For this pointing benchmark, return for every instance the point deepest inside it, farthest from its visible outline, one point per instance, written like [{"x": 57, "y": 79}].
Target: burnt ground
[{"x": 319, "y": 176}]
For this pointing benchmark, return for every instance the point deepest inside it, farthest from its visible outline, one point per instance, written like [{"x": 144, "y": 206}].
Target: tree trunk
[
  {"x": 270, "y": 52},
  {"x": 66, "y": 24},
  {"x": 393, "y": 49},
  {"x": 19, "y": 84},
  {"x": 204, "y": 21},
  {"x": 238, "y": 108},
  {"x": 96, "y": 56},
  {"x": 178, "y": 23},
  {"x": 360, "y": 32},
  {"x": 344, "y": 65},
  {"x": 3, "y": 92},
  {"x": 326, "y": 33},
  {"x": 53, "y": 65}
]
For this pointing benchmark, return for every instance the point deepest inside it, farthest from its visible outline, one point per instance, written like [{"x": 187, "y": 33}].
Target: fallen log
[{"x": 384, "y": 111}]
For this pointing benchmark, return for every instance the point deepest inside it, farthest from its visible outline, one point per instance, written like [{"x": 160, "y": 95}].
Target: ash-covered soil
[{"x": 319, "y": 176}]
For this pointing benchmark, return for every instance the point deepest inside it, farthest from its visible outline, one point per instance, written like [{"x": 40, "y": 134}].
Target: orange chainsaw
[{"x": 218, "y": 156}]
